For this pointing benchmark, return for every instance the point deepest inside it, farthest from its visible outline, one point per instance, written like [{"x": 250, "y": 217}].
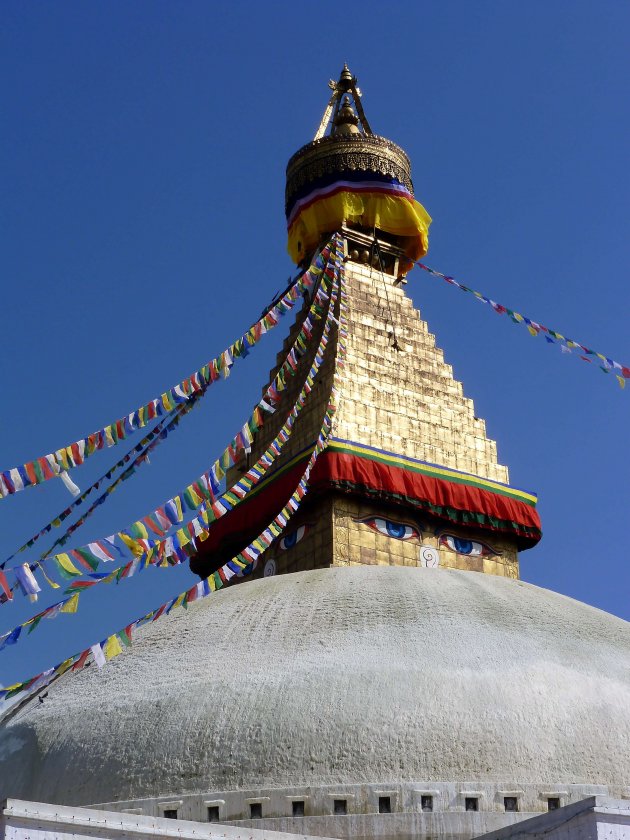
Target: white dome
[{"x": 339, "y": 676}]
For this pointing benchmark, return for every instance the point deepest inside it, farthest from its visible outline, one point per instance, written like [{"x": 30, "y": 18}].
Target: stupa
[{"x": 381, "y": 671}]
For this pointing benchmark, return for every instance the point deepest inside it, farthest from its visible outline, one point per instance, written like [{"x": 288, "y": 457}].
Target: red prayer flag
[
  {"x": 78, "y": 665},
  {"x": 5, "y": 586}
]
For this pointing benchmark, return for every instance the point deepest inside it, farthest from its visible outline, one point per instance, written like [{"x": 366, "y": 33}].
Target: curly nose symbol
[{"x": 429, "y": 557}]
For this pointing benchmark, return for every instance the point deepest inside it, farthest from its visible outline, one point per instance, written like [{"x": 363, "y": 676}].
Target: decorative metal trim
[{"x": 349, "y": 152}]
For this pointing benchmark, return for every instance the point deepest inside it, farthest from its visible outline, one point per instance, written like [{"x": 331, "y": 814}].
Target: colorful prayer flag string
[
  {"x": 201, "y": 494},
  {"x": 174, "y": 550},
  {"x": 113, "y": 645},
  {"x": 75, "y": 454},
  {"x": 567, "y": 345},
  {"x": 138, "y": 455}
]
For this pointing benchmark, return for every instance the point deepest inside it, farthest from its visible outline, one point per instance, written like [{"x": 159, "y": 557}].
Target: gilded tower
[{"x": 410, "y": 476}]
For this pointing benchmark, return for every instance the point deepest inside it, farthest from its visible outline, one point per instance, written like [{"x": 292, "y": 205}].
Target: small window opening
[
  {"x": 213, "y": 813},
  {"x": 426, "y": 803},
  {"x": 472, "y": 803},
  {"x": 298, "y": 807},
  {"x": 170, "y": 813},
  {"x": 340, "y": 806},
  {"x": 384, "y": 805},
  {"x": 255, "y": 810},
  {"x": 511, "y": 803},
  {"x": 553, "y": 803}
]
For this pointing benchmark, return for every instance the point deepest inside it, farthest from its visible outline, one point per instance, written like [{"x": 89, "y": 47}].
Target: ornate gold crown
[{"x": 348, "y": 148}]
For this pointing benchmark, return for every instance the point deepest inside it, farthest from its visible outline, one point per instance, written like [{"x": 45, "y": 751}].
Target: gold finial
[
  {"x": 346, "y": 121},
  {"x": 345, "y": 87},
  {"x": 346, "y": 79}
]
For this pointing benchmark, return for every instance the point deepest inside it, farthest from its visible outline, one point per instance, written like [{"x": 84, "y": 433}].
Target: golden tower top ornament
[{"x": 351, "y": 176}]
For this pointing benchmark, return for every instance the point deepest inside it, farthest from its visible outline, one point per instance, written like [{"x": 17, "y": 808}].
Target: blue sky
[{"x": 143, "y": 152}]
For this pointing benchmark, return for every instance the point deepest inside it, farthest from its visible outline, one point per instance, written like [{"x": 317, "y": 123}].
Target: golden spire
[{"x": 340, "y": 99}]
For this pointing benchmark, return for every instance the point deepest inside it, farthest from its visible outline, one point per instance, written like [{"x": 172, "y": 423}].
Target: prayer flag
[
  {"x": 11, "y": 637},
  {"x": 99, "y": 656},
  {"x": 69, "y": 484},
  {"x": 100, "y": 551},
  {"x": 71, "y": 605},
  {"x": 78, "y": 665},
  {"x": 112, "y": 647},
  {"x": 27, "y": 581},
  {"x": 66, "y": 567},
  {"x": 4, "y": 584}
]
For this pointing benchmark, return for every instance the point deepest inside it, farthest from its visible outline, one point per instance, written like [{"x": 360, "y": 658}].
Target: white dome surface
[{"x": 339, "y": 676}]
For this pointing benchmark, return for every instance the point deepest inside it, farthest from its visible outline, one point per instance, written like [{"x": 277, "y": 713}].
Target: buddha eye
[
  {"x": 293, "y": 538},
  {"x": 470, "y": 548},
  {"x": 391, "y": 528}
]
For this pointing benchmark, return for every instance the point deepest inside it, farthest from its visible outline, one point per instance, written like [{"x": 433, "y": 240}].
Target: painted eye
[
  {"x": 293, "y": 538},
  {"x": 470, "y": 548},
  {"x": 390, "y": 528}
]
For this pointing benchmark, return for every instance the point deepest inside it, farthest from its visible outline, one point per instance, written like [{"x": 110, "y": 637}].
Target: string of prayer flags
[
  {"x": 567, "y": 345},
  {"x": 68, "y": 606},
  {"x": 104, "y": 549},
  {"x": 75, "y": 454},
  {"x": 199, "y": 493},
  {"x": 103, "y": 651},
  {"x": 204, "y": 489},
  {"x": 176, "y": 549},
  {"x": 139, "y": 456}
]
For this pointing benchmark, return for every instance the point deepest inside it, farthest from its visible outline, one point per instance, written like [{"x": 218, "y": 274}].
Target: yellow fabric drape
[{"x": 393, "y": 214}]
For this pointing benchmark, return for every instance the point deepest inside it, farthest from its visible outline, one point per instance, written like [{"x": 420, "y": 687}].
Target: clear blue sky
[{"x": 143, "y": 150}]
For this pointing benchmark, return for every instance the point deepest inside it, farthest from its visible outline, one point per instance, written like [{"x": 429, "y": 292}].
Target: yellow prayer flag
[
  {"x": 183, "y": 536},
  {"x": 142, "y": 528},
  {"x": 196, "y": 498},
  {"x": 61, "y": 669},
  {"x": 50, "y": 582},
  {"x": 62, "y": 458},
  {"x": 112, "y": 647},
  {"x": 71, "y": 605},
  {"x": 67, "y": 565},
  {"x": 622, "y": 381},
  {"x": 180, "y": 600},
  {"x": 532, "y": 331},
  {"x": 136, "y": 549}
]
